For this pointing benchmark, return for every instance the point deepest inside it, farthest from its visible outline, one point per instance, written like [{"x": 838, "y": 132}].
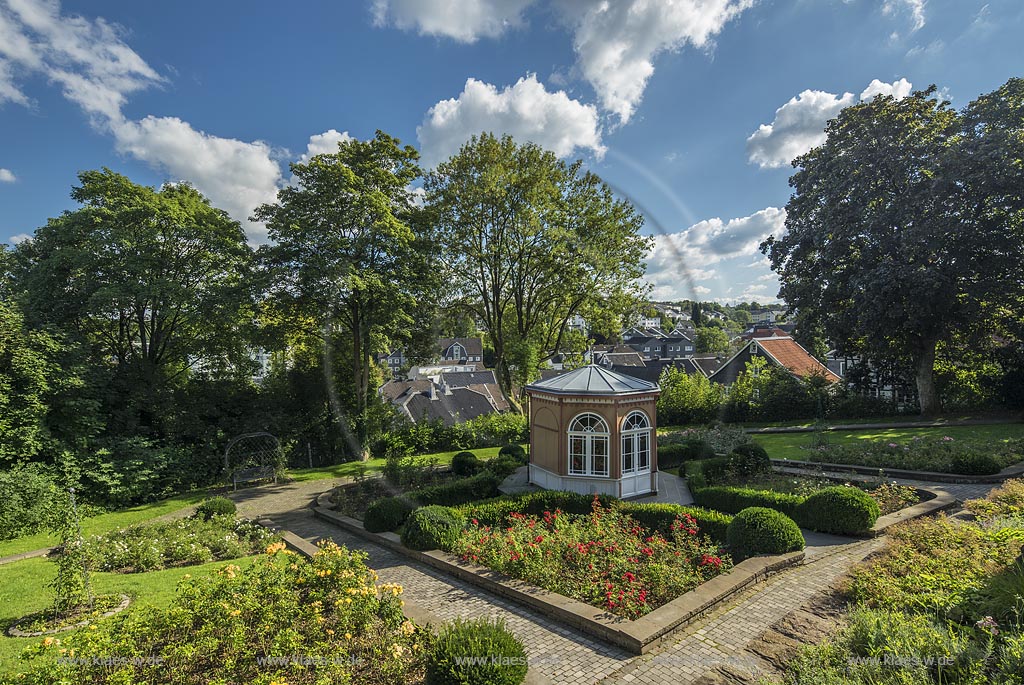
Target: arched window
[
  {"x": 636, "y": 443},
  {"x": 588, "y": 446}
]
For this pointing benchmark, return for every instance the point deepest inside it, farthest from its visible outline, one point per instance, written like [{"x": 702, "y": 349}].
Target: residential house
[
  {"x": 449, "y": 396},
  {"x": 777, "y": 351},
  {"x": 663, "y": 348},
  {"x": 461, "y": 349}
]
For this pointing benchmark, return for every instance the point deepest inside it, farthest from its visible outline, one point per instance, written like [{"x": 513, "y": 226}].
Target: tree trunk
[{"x": 925, "y": 376}]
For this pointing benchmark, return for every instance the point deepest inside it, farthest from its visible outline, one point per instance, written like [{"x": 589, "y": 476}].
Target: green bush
[
  {"x": 673, "y": 453},
  {"x": 758, "y": 530},
  {"x": 707, "y": 472},
  {"x": 515, "y": 450},
  {"x": 975, "y": 464},
  {"x": 465, "y": 464},
  {"x": 477, "y": 652},
  {"x": 215, "y": 506},
  {"x": 659, "y": 517},
  {"x": 1010, "y": 664},
  {"x": 481, "y": 486},
  {"x": 387, "y": 514},
  {"x": 734, "y": 499},
  {"x": 502, "y": 466},
  {"x": 749, "y": 460},
  {"x": 838, "y": 510},
  {"x": 432, "y": 527},
  {"x": 28, "y": 495}
]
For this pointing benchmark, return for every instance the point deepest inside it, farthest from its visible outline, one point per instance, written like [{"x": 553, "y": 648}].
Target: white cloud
[
  {"x": 236, "y": 175},
  {"x": 799, "y": 125},
  {"x": 20, "y": 238},
  {"x": 898, "y": 89},
  {"x": 7, "y": 176},
  {"x": 616, "y": 42},
  {"x": 462, "y": 20},
  {"x": 683, "y": 258},
  {"x": 701, "y": 290},
  {"x": 323, "y": 143},
  {"x": 527, "y": 111},
  {"x": 914, "y": 7}
]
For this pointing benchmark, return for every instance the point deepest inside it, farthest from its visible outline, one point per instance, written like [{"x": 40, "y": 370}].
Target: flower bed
[
  {"x": 939, "y": 454},
  {"x": 604, "y": 558},
  {"x": 186, "y": 542}
]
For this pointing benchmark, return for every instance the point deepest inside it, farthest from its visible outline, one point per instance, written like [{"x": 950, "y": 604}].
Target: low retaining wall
[
  {"x": 636, "y": 637},
  {"x": 1014, "y": 471}
]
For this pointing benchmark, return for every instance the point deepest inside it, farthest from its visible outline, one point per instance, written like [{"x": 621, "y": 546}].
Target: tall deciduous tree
[
  {"x": 531, "y": 241},
  {"x": 872, "y": 252},
  {"x": 343, "y": 257},
  {"x": 154, "y": 280}
]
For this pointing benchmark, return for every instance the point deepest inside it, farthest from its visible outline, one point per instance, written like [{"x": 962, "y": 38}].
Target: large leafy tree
[
  {"x": 344, "y": 256},
  {"x": 873, "y": 252},
  {"x": 153, "y": 281},
  {"x": 529, "y": 241}
]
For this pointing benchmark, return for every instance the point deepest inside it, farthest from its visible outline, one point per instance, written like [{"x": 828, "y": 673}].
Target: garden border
[
  {"x": 1012, "y": 471},
  {"x": 14, "y": 631},
  {"x": 636, "y": 637}
]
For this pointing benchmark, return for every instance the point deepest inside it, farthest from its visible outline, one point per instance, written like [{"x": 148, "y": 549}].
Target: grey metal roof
[{"x": 593, "y": 380}]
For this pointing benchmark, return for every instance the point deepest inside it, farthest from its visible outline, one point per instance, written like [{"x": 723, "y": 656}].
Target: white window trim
[
  {"x": 631, "y": 444},
  {"x": 590, "y": 437}
]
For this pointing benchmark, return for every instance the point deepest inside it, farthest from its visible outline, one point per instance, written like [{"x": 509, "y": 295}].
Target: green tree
[
  {"x": 529, "y": 242},
  {"x": 344, "y": 256},
  {"x": 152, "y": 280},
  {"x": 688, "y": 398},
  {"x": 872, "y": 251},
  {"x": 697, "y": 314},
  {"x": 712, "y": 340}
]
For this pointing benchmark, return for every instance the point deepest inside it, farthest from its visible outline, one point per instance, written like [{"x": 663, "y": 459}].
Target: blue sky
[{"x": 691, "y": 108}]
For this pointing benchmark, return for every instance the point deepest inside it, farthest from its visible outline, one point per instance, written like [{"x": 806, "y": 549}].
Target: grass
[
  {"x": 809, "y": 423},
  {"x": 23, "y": 591},
  {"x": 104, "y": 523},
  {"x": 355, "y": 468},
  {"x": 790, "y": 445}
]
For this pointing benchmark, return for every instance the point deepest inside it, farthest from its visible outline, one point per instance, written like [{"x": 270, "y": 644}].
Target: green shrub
[
  {"x": 387, "y": 514},
  {"x": 659, "y": 517},
  {"x": 1005, "y": 501},
  {"x": 465, "y": 464},
  {"x": 28, "y": 495},
  {"x": 432, "y": 527},
  {"x": 975, "y": 464},
  {"x": 215, "y": 506},
  {"x": 735, "y": 499},
  {"x": 673, "y": 453},
  {"x": 749, "y": 460},
  {"x": 481, "y": 486},
  {"x": 1010, "y": 663},
  {"x": 503, "y": 466},
  {"x": 758, "y": 530},
  {"x": 705, "y": 472},
  {"x": 838, "y": 510},
  {"x": 515, "y": 450},
  {"x": 476, "y": 652}
]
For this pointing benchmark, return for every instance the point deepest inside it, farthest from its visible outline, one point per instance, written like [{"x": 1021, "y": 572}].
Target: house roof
[
  {"x": 593, "y": 380},
  {"x": 623, "y": 359},
  {"x": 706, "y": 365},
  {"x": 461, "y": 404},
  {"x": 788, "y": 353},
  {"x": 474, "y": 346}
]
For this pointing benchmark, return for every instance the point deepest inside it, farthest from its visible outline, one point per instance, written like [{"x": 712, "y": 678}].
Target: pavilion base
[{"x": 628, "y": 486}]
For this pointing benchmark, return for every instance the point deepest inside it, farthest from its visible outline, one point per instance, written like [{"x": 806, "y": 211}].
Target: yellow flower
[
  {"x": 330, "y": 631},
  {"x": 47, "y": 641},
  {"x": 93, "y": 627},
  {"x": 275, "y": 548},
  {"x": 186, "y": 576},
  {"x": 408, "y": 628},
  {"x": 348, "y": 636},
  {"x": 236, "y": 612}
]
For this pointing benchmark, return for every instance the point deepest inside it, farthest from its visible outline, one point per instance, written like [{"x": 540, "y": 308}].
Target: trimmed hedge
[
  {"x": 481, "y": 486},
  {"x": 673, "y": 454},
  {"x": 839, "y": 510},
  {"x": 759, "y": 530},
  {"x": 214, "y": 506},
  {"x": 516, "y": 451},
  {"x": 465, "y": 464},
  {"x": 749, "y": 459},
  {"x": 432, "y": 527},
  {"x": 502, "y": 466},
  {"x": 975, "y": 464},
  {"x": 659, "y": 516},
  {"x": 387, "y": 514},
  {"x": 735, "y": 499},
  {"x": 476, "y": 652}
]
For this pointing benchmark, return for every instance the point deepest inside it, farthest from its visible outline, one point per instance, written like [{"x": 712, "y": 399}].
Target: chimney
[{"x": 433, "y": 391}]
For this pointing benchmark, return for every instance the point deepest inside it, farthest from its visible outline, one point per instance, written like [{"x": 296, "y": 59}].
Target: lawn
[
  {"x": 23, "y": 591},
  {"x": 355, "y": 468},
  {"x": 791, "y": 445},
  {"x": 809, "y": 423},
  {"x": 104, "y": 523}
]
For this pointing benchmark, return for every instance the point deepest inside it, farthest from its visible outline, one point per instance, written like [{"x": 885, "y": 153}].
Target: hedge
[
  {"x": 387, "y": 514},
  {"x": 465, "y": 464},
  {"x": 658, "y": 516},
  {"x": 735, "y": 499},
  {"x": 432, "y": 527},
  {"x": 480, "y": 486},
  {"x": 759, "y": 530}
]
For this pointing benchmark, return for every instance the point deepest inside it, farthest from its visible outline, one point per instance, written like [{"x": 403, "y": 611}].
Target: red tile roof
[{"x": 791, "y": 355}]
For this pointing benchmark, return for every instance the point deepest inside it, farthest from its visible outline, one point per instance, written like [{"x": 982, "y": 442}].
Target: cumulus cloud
[
  {"x": 682, "y": 259},
  {"x": 616, "y": 42},
  {"x": 7, "y": 176},
  {"x": 913, "y": 7},
  {"x": 236, "y": 175},
  {"x": 527, "y": 111},
  {"x": 20, "y": 238},
  {"x": 799, "y": 125},
  {"x": 465, "y": 20},
  {"x": 98, "y": 71},
  {"x": 323, "y": 143}
]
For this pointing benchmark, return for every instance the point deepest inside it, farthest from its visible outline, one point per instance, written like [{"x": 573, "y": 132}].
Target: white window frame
[
  {"x": 636, "y": 443},
  {"x": 585, "y": 441}
]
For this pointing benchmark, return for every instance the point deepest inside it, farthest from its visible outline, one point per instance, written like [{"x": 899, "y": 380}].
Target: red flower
[{"x": 629, "y": 576}]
